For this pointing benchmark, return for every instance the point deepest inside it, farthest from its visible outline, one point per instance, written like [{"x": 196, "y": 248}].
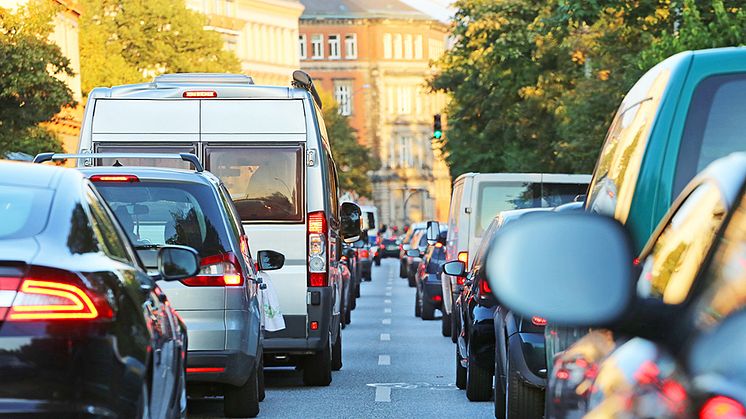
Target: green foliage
[
  {"x": 31, "y": 91},
  {"x": 130, "y": 41},
  {"x": 535, "y": 83}
]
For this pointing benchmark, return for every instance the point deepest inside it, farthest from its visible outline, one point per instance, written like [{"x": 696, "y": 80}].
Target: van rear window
[{"x": 265, "y": 183}]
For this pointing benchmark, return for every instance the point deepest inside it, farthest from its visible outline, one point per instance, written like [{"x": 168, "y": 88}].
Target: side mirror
[
  {"x": 584, "y": 277},
  {"x": 269, "y": 260},
  {"x": 177, "y": 262},
  {"x": 413, "y": 253},
  {"x": 433, "y": 231},
  {"x": 455, "y": 268},
  {"x": 406, "y": 246},
  {"x": 350, "y": 217}
]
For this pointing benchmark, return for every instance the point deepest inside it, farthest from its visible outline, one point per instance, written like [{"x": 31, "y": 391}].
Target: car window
[
  {"x": 24, "y": 211},
  {"x": 675, "y": 259},
  {"x": 105, "y": 230},
  {"x": 436, "y": 257},
  {"x": 454, "y": 212},
  {"x": 147, "y": 162},
  {"x": 333, "y": 186},
  {"x": 714, "y": 127}
]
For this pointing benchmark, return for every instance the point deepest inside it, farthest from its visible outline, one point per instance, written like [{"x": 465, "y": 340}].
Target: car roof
[
  {"x": 34, "y": 175},
  {"x": 154, "y": 173}
]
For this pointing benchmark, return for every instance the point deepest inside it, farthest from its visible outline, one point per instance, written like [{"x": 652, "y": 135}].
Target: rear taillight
[
  {"x": 460, "y": 280},
  {"x": 721, "y": 407},
  {"x": 47, "y": 294},
  {"x": 562, "y": 374},
  {"x": 217, "y": 271},
  {"x": 364, "y": 253},
  {"x": 317, "y": 250},
  {"x": 199, "y": 94},
  {"x": 464, "y": 257},
  {"x": 484, "y": 287},
  {"x": 115, "y": 178},
  {"x": 204, "y": 370},
  {"x": 538, "y": 321}
]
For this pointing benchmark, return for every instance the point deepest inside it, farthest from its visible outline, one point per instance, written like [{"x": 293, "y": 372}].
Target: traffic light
[{"x": 437, "y": 127}]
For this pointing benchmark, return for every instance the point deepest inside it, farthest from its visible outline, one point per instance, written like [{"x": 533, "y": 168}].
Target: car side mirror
[
  {"x": 406, "y": 246},
  {"x": 177, "y": 262},
  {"x": 351, "y": 220},
  {"x": 269, "y": 260},
  {"x": 455, "y": 268},
  {"x": 433, "y": 231},
  {"x": 413, "y": 253},
  {"x": 584, "y": 277}
]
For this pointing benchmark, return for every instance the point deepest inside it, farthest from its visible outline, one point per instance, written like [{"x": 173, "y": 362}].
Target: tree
[
  {"x": 130, "y": 41},
  {"x": 31, "y": 91},
  {"x": 353, "y": 159}
]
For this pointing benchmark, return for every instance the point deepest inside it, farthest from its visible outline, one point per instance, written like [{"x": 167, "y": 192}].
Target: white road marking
[
  {"x": 386, "y": 321},
  {"x": 384, "y": 360},
  {"x": 388, "y": 294},
  {"x": 387, "y": 301},
  {"x": 385, "y": 337},
  {"x": 383, "y": 394},
  {"x": 389, "y": 288},
  {"x": 387, "y": 310}
]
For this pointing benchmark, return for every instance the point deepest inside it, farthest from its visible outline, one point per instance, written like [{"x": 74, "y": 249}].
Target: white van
[
  {"x": 269, "y": 146},
  {"x": 478, "y": 197}
]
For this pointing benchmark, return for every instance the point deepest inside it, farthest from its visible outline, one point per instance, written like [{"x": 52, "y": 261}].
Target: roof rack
[
  {"x": 303, "y": 80},
  {"x": 188, "y": 157},
  {"x": 207, "y": 78}
]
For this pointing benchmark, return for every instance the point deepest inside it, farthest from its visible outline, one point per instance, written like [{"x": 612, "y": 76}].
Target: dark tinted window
[
  {"x": 172, "y": 163},
  {"x": 23, "y": 211},
  {"x": 265, "y": 183},
  {"x": 104, "y": 228},
  {"x": 437, "y": 255},
  {"x": 715, "y": 125},
  {"x": 157, "y": 213}
]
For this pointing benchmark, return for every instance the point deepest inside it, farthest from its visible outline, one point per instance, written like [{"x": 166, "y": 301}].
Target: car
[
  {"x": 428, "y": 292},
  {"x": 365, "y": 260},
  {"x": 269, "y": 146},
  {"x": 667, "y": 129},
  {"x": 370, "y": 227},
  {"x": 673, "y": 322},
  {"x": 351, "y": 260},
  {"x": 405, "y": 244},
  {"x": 478, "y": 197},
  {"x": 389, "y": 248},
  {"x": 418, "y": 243},
  {"x": 84, "y": 329}
]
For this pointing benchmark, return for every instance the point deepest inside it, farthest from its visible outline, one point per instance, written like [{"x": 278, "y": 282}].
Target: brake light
[
  {"x": 51, "y": 294},
  {"x": 314, "y": 325},
  {"x": 317, "y": 249},
  {"x": 460, "y": 280},
  {"x": 199, "y": 94},
  {"x": 217, "y": 271},
  {"x": 115, "y": 178},
  {"x": 204, "y": 370},
  {"x": 721, "y": 407},
  {"x": 438, "y": 245},
  {"x": 538, "y": 321},
  {"x": 464, "y": 257},
  {"x": 484, "y": 287},
  {"x": 562, "y": 374},
  {"x": 364, "y": 253}
]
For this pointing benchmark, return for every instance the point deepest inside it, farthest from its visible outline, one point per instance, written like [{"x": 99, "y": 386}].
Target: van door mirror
[
  {"x": 177, "y": 262},
  {"x": 269, "y": 260},
  {"x": 585, "y": 274},
  {"x": 433, "y": 231},
  {"x": 350, "y": 217},
  {"x": 455, "y": 268}
]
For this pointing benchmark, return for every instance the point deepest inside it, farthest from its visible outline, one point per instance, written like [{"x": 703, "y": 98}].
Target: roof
[
  {"x": 347, "y": 9},
  {"x": 152, "y": 173},
  {"x": 34, "y": 175}
]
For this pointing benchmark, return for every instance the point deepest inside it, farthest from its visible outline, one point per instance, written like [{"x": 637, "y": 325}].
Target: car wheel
[
  {"x": 260, "y": 376},
  {"x": 412, "y": 282},
  {"x": 428, "y": 309},
  {"x": 402, "y": 270},
  {"x": 343, "y": 317},
  {"x": 521, "y": 399},
  {"x": 337, "y": 353},
  {"x": 357, "y": 293},
  {"x": 377, "y": 261},
  {"x": 478, "y": 381},
  {"x": 454, "y": 323},
  {"x": 445, "y": 324},
  {"x": 417, "y": 307},
  {"x": 348, "y": 313},
  {"x": 460, "y": 372},
  {"x": 368, "y": 276},
  {"x": 243, "y": 401},
  {"x": 317, "y": 370}
]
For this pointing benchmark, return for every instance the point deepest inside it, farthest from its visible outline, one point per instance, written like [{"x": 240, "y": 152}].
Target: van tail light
[
  {"x": 721, "y": 407},
  {"x": 484, "y": 287},
  {"x": 317, "y": 250},
  {"x": 217, "y": 271},
  {"x": 199, "y": 94},
  {"x": 115, "y": 178},
  {"x": 538, "y": 321},
  {"x": 47, "y": 294},
  {"x": 364, "y": 253},
  {"x": 464, "y": 257}
]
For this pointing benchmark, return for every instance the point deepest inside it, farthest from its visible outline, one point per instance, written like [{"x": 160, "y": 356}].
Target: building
[
  {"x": 374, "y": 55},
  {"x": 262, "y": 33}
]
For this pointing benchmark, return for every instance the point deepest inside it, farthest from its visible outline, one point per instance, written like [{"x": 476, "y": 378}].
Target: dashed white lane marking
[
  {"x": 383, "y": 394},
  {"x": 385, "y": 337},
  {"x": 387, "y": 310},
  {"x": 389, "y": 288},
  {"x": 387, "y": 301},
  {"x": 388, "y": 294},
  {"x": 384, "y": 360},
  {"x": 386, "y": 321}
]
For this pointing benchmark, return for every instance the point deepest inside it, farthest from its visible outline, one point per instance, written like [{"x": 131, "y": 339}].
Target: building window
[
  {"x": 343, "y": 96},
  {"x": 317, "y": 46},
  {"x": 408, "y": 47},
  {"x": 418, "y": 47},
  {"x": 403, "y": 100},
  {"x": 397, "y": 46},
  {"x": 351, "y": 46},
  {"x": 334, "y": 47},
  {"x": 387, "y": 46},
  {"x": 302, "y": 46},
  {"x": 406, "y": 155}
]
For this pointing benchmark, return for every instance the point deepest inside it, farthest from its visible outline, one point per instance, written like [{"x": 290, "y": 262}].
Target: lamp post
[{"x": 412, "y": 192}]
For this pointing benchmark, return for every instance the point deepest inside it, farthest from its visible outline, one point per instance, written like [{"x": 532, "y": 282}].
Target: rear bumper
[
  {"x": 297, "y": 338},
  {"x": 526, "y": 352},
  {"x": 237, "y": 366},
  {"x": 365, "y": 265},
  {"x": 434, "y": 293}
]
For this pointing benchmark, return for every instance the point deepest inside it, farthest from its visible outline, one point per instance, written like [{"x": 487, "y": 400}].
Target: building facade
[
  {"x": 262, "y": 33},
  {"x": 375, "y": 57}
]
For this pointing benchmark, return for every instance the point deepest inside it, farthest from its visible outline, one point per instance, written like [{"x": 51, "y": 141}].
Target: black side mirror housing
[
  {"x": 455, "y": 268},
  {"x": 177, "y": 262},
  {"x": 269, "y": 260},
  {"x": 351, "y": 219}
]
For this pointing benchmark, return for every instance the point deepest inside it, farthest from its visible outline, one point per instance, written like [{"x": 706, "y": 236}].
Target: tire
[
  {"x": 357, "y": 293},
  {"x": 412, "y": 282},
  {"x": 368, "y": 276},
  {"x": 428, "y": 310},
  {"x": 445, "y": 324},
  {"x": 402, "y": 270},
  {"x": 260, "y": 377},
  {"x": 377, "y": 261},
  {"x": 521, "y": 399},
  {"x": 460, "y": 372},
  {"x": 343, "y": 317},
  {"x": 348, "y": 312},
  {"x": 337, "y": 353},
  {"x": 417, "y": 307},
  {"x": 243, "y": 401},
  {"x": 454, "y": 324},
  {"x": 478, "y": 382},
  {"x": 317, "y": 369}
]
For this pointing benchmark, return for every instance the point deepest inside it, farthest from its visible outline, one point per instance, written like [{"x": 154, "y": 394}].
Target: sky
[{"x": 439, "y": 9}]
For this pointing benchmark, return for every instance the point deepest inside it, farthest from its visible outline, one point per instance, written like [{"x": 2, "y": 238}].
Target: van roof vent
[{"x": 208, "y": 78}]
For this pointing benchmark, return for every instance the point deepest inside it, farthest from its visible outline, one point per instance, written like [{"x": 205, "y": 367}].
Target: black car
[
  {"x": 429, "y": 292},
  {"x": 84, "y": 330},
  {"x": 388, "y": 248}
]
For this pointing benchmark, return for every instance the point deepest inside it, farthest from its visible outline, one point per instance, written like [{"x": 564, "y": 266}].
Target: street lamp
[{"x": 414, "y": 191}]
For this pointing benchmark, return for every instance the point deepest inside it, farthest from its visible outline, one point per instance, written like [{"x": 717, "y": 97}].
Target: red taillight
[
  {"x": 437, "y": 298},
  {"x": 317, "y": 222},
  {"x": 50, "y": 294},
  {"x": 464, "y": 257},
  {"x": 317, "y": 279},
  {"x": 562, "y": 374},
  {"x": 364, "y": 253},
  {"x": 721, "y": 407},
  {"x": 314, "y": 326},
  {"x": 317, "y": 250},
  {"x": 484, "y": 287},
  {"x": 204, "y": 370},
  {"x": 199, "y": 94},
  {"x": 115, "y": 178},
  {"x": 217, "y": 271},
  {"x": 636, "y": 261},
  {"x": 539, "y": 321},
  {"x": 438, "y": 245},
  {"x": 460, "y": 280}
]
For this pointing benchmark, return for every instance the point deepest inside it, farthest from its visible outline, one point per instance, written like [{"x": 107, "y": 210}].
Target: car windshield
[
  {"x": 157, "y": 213},
  {"x": 23, "y": 210}
]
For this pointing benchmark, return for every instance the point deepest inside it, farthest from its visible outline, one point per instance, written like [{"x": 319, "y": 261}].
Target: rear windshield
[
  {"x": 23, "y": 211},
  {"x": 265, "y": 183},
  {"x": 503, "y": 196},
  {"x": 158, "y": 213},
  {"x": 148, "y": 162}
]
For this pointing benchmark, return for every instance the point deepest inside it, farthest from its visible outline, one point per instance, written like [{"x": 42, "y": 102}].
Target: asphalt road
[{"x": 395, "y": 366}]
